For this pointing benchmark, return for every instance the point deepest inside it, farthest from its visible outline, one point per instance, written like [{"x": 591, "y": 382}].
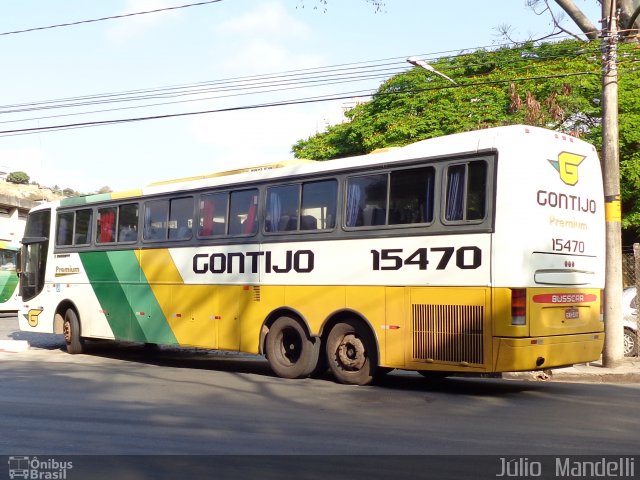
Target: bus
[
  {"x": 476, "y": 253},
  {"x": 8, "y": 277}
]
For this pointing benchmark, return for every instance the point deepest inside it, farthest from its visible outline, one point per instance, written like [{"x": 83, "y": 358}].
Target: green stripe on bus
[
  {"x": 77, "y": 201},
  {"x": 132, "y": 310},
  {"x": 8, "y": 284}
]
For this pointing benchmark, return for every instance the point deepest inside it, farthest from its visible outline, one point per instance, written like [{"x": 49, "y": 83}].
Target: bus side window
[
  {"x": 366, "y": 200},
  {"x": 213, "y": 214},
  {"x": 466, "y": 191},
  {"x": 181, "y": 218},
  {"x": 82, "y": 230},
  {"x": 411, "y": 196},
  {"x": 318, "y": 210},
  {"x": 64, "y": 229},
  {"x": 282, "y": 208},
  {"x": 477, "y": 191},
  {"x": 156, "y": 219},
  {"x": 128, "y": 223},
  {"x": 243, "y": 207},
  {"x": 106, "y": 231}
]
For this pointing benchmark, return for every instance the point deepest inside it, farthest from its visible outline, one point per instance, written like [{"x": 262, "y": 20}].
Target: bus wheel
[
  {"x": 290, "y": 352},
  {"x": 71, "y": 332},
  {"x": 351, "y": 353}
]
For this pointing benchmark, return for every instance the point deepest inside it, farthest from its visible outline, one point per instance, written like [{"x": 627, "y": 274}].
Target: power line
[
  {"x": 252, "y": 85},
  {"x": 325, "y": 98},
  {"x": 113, "y": 17}
]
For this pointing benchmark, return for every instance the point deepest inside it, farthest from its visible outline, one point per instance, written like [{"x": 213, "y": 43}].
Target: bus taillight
[
  {"x": 602, "y": 305},
  {"x": 518, "y": 306}
]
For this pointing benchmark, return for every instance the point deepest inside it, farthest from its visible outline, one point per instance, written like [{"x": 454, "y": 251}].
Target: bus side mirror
[{"x": 19, "y": 263}]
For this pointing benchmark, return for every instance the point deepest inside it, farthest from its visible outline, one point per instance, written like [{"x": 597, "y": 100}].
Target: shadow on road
[{"x": 232, "y": 362}]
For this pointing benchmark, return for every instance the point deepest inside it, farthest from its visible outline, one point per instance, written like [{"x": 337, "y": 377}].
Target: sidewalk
[{"x": 627, "y": 372}]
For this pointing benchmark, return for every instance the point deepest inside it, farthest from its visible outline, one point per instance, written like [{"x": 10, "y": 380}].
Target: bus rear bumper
[{"x": 539, "y": 353}]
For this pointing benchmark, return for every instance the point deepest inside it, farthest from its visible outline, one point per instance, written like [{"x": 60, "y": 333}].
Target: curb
[
  {"x": 595, "y": 377},
  {"x": 626, "y": 374}
]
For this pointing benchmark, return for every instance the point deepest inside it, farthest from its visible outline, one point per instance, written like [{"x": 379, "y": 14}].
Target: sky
[{"x": 226, "y": 55}]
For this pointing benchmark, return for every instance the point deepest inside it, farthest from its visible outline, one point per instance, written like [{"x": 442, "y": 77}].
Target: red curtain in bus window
[
  {"x": 107, "y": 220},
  {"x": 206, "y": 213},
  {"x": 251, "y": 216}
]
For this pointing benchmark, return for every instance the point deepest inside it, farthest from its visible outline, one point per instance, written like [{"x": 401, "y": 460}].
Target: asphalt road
[{"x": 122, "y": 400}]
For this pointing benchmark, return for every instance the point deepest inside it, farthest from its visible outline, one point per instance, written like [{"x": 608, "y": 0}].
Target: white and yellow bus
[{"x": 478, "y": 252}]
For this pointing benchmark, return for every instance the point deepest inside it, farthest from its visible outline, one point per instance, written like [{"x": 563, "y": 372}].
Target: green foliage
[
  {"x": 18, "y": 177},
  {"x": 555, "y": 85}
]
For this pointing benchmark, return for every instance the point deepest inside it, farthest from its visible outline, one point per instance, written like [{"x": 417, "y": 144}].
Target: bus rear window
[{"x": 466, "y": 191}]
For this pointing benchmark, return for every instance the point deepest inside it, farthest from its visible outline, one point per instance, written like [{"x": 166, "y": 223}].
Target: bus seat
[
  {"x": 308, "y": 222},
  {"x": 284, "y": 224},
  {"x": 372, "y": 215}
]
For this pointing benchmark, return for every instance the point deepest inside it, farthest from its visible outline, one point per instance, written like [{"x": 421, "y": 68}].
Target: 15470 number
[
  {"x": 466, "y": 258},
  {"x": 571, "y": 246}
]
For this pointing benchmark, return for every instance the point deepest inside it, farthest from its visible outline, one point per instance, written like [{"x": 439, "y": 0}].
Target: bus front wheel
[
  {"x": 71, "y": 332},
  {"x": 290, "y": 352},
  {"x": 351, "y": 353}
]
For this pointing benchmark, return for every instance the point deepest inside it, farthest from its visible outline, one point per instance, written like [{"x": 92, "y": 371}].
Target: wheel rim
[
  {"x": 66, "y": 331},
  {"x": 290, "y": 346},
  {"x": 628, "y": 343},
  {"x": 351, "y": 353}
]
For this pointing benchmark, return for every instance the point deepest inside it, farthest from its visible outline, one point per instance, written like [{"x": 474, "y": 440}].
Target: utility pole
[{"x": 613, "y": 346}]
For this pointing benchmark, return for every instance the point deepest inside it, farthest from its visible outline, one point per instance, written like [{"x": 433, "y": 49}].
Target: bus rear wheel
[
  {"x": 351, "y": 353},
  {"x": 71, "y": 332},
  {"x": 290, "y": 352}
]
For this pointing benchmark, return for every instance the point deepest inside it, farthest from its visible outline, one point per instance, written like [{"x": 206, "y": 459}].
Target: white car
[{"x": 630, "y": 321}]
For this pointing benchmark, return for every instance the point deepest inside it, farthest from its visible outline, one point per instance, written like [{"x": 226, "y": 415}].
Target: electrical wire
[
  {"x": 320, "y": 76},
  {"x": 324, "y": 98},
  {"x": 113, "y": 17}
]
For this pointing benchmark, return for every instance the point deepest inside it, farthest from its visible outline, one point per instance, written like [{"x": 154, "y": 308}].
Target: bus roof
[{"x": 460, "y": 143}]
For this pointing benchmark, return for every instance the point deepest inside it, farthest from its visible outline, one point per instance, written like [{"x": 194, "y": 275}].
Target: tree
[
  {"x": 18, "y": 177},
  {"x": 554, "y": 85},
  {"x": 629, "y": 20}
]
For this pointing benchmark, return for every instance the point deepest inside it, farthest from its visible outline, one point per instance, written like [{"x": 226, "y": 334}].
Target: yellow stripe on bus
[{"x": 163, "y": 279}]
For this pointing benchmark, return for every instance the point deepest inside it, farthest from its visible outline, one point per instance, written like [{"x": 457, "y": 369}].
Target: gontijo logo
[{"x": 567, "y": 166}]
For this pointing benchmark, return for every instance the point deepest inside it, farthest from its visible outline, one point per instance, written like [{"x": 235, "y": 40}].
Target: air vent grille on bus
[{"x": 448, "y": 333}]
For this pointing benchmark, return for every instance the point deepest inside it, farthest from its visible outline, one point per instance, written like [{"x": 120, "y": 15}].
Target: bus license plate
[{"x": 571, "y": 314}]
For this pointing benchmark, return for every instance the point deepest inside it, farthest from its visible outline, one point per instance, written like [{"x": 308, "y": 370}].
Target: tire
[
  {"x": 71, "y": 332},
  {"x": 630, "y": 343},
  {"x": 290, "y": 352},
  {"x": 352, "y": 353}
]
